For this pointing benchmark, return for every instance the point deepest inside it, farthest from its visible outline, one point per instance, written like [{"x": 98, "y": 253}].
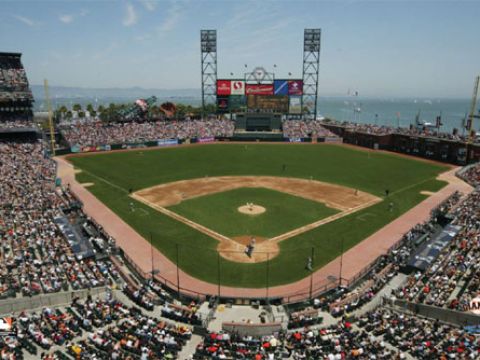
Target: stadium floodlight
[
  {"x": 208, "y": 46},
  {"x": 311, "y": 67}
]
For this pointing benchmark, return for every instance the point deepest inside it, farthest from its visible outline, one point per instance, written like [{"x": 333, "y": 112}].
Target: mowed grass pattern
[
  {"x": 219, "y": 212},
  {"x": 114, "y": 173}
]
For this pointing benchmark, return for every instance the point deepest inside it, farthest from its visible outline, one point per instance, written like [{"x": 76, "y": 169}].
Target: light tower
[
  {"x": 311, "y": 67},
  {"x": 208, "y": 48}
]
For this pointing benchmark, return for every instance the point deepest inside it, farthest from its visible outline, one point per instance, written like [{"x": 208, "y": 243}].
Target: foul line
[
  {"x": 324, "y": 221},
  {"x": 184, "y": 220},
  {"x": 104, "y": 180}
]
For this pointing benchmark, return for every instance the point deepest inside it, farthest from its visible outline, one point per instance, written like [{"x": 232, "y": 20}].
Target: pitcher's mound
[{"x": 251, "y": 209}]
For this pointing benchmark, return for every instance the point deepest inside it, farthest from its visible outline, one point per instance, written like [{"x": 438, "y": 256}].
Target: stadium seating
[
  {"x": 94, "y": 134},
  {"x": 305, "y": 129},
  {"x": 37, "y": 259},
  {"x": 15, "y": 95}
]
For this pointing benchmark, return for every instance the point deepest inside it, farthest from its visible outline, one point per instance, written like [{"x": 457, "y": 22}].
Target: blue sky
[{"x": 384, "y": 49}]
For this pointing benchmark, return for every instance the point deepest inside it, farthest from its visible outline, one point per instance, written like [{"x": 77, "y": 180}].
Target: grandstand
[{"x": 16, "y": 98}]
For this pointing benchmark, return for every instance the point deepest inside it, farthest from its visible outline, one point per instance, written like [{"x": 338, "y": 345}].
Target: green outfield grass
[
  {"x": 113, "y": 174},
  {"x": 219, "y": 212}
]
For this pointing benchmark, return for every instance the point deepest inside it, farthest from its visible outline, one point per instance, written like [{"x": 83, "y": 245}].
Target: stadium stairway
[
  {"x": 394, "y": 283},
  {"x": 189, "y": 349}
]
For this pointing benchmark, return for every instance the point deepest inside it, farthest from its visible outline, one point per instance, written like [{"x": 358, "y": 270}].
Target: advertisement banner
[
  {"x": 237, "y": 87},
  {"x": 259, "y": 89},
  {"x": 296, "y": 140},
  {"x": 223, "y": 87},
  {"x": 280, "y": 87},
  {"x": 206, "y": 140},
  {"x": 295, "y": 105},
  {"x": 222, "y": 103},
  {"x": 134, "y": 146},
  {"x": 167, "y": 142},
  {"x": 295, "y": 87}
]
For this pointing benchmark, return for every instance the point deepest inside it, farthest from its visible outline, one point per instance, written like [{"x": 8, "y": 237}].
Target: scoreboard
[
  {"x": 279, "y": 96},
  {"x": 269, "y": 103}
]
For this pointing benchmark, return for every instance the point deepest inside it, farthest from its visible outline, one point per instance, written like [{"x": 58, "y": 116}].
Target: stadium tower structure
[
  {"x": 16, "y": 99},
  {"x": 259, "y": 101},
  {"x": 208, "y": 48},
  {"x": 311, "y": 68}
]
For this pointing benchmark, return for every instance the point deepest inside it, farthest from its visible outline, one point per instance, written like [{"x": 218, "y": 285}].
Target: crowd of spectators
[
  {"x": 94, "y": 134},
  {"x": 13, "y": 79},
  {"x": 35, "y": 256},
  {"x": 305, "y": 129},
  {"x": 472, "y": 175},
  {"x": 93, "y": 329},
  {"x": 381, "y": 130},
  {"x": 453, "y": 279},
  {"x": 16, "y": 124},
  {"x": 379, "y": 334},
  {"x": 360, "y": 127},
  {"x": 421, "y": 338}
]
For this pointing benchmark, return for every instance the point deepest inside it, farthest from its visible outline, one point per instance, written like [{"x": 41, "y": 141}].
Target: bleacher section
[{"x": 16, "y": 98}]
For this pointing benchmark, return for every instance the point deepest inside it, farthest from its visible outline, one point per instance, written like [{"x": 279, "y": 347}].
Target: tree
[
  {"x": 91, "y": 110},
  {"x": 77, "y": 107},
  {"x": 181, "y": 111}
]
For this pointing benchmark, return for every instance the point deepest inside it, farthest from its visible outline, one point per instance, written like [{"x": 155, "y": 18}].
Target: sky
[{"x": 378, "y": 48}]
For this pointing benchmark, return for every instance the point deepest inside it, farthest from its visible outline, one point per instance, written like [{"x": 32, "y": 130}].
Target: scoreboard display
[
  {"x": 282, "y": 96},
  {"x": 269, "y": 103}
]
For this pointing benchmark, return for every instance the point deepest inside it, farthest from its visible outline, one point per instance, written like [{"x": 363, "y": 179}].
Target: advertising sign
[
  {"x": 167, "y": 142},
  {"x": 223, "y": 87},
  {"x": 295, "y": 87},
  {"x": 237, "y": 87},
  {"x": 295, "y": 105},
  {"x": 474, "y": 305},
  {"x": 222, "y": 103},
  {"x": 206, "y": 139},
  {"x": 280, "y": 87},
  {"x": 259, "y": 89}
]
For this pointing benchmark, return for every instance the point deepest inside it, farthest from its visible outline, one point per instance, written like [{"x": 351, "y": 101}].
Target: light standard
[
  {"x": 153, "y": 271},
  {"x": 341, "y": 263}
]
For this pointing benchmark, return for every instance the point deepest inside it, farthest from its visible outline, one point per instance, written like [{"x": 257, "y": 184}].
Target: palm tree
[{"x": 91, "y": 110}]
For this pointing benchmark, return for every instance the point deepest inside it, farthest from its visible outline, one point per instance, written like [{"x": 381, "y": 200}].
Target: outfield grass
[
  {"x": 219, "y": 212},
  {"x": 114, "y": 173}
]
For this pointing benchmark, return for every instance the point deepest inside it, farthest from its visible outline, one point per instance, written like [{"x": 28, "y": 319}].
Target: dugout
[{"x": 258, "y": 122}]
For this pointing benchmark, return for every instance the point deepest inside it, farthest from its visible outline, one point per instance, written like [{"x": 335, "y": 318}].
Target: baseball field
[{"x": 202, "y": 206}]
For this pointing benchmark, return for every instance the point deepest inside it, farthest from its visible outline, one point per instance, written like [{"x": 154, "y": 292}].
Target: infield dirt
[{"x": 344, "y": 199}]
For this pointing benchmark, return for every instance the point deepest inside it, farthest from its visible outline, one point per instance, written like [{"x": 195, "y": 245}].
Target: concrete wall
[
  {"x": 16, "y": 305},
  {"x": 432, "y": 312},
  {"x": 252, "y": 329}
]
